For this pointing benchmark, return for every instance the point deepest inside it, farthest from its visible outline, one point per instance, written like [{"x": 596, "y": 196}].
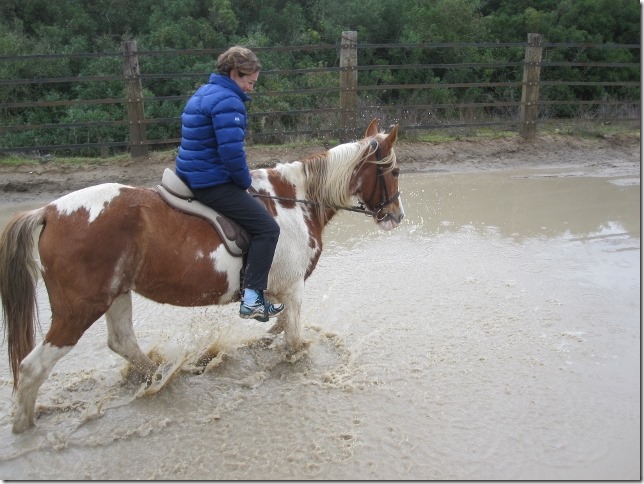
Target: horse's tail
[{"x": 18, "y": 277}]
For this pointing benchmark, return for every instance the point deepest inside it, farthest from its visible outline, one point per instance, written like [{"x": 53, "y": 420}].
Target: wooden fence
[{"x": 350, "y": 110}]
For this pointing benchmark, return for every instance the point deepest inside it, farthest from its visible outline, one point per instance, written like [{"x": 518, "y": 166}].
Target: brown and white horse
[{"x": 99, "y": 244}]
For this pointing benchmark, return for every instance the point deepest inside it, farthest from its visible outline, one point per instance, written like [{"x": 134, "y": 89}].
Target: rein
[{"x": 360, "y": 208}]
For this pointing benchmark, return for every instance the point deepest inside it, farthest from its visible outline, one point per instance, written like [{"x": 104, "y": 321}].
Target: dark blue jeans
[{"x": 237, "y": 204}]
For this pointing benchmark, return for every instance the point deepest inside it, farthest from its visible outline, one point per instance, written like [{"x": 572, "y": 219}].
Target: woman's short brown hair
[{"x": 240, "y": 58}]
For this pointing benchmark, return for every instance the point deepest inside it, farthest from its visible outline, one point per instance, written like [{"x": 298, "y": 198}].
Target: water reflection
[
  {"x": 514, "y": 204},
  {"x": 521, "y": 206}
]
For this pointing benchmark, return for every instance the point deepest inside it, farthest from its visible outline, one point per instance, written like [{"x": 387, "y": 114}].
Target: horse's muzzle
[{"x": 390, "y": 220}]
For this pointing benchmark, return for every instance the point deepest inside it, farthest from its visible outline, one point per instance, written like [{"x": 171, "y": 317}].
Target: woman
[{"x": 212, "y": 161}]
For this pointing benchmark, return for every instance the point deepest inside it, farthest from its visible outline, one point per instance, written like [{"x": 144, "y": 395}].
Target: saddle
[{"x": 178, "y": 195}]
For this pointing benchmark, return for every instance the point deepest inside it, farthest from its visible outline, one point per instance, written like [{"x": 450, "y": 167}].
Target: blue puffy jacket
[{"x": 212, "y": 136}]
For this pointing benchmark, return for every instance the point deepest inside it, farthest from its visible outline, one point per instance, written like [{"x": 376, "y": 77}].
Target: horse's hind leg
[
  {"x": 34, "y": 370},
  {"x": 121, "y": 338}
]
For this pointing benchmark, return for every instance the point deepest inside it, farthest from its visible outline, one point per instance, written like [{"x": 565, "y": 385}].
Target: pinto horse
[{"x": 99, "y": 244}]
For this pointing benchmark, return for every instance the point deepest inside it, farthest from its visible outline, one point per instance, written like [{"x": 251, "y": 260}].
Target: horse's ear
[
  {"x": 372, "y": 129},
  {"x": 393, "y": 135}
]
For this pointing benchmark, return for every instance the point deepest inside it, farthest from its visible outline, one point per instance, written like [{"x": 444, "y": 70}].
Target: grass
[
  {"x": 590, "y": 128},
  {"x": 460, "y": 134},
  {"x": 583, "y": 128},
  {"x": 20, "y": 159}
]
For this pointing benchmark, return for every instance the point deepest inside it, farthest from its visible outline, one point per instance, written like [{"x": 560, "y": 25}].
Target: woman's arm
[{"x": 229, "y": 122}]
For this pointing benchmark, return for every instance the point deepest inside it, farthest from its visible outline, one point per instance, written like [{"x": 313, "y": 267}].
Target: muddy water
[{"x": 494, "y": 335}]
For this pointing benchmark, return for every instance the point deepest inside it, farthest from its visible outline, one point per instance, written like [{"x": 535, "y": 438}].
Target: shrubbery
[{"x": 30, "y": 27}]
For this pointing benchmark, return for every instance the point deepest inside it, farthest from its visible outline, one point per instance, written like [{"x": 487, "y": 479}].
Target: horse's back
[
  {"x": 113, "y": 238},
  {"x": 97, "y": 221}
]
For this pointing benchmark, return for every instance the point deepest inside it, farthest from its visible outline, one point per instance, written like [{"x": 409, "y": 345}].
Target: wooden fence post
[
  {"x": 349, "y": 82},
  {"x": 134, "y": 100},
  {"x": 529, "y": 109}
]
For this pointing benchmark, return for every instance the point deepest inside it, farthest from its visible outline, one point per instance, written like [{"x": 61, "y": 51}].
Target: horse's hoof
[
  {"x": 263, "y": 342},
  {"x": 20, "y": 425},
  {"x": 151, "y": 380},
  {"x": 136, "y": 377},
  {"x": 299, "y": 347}
]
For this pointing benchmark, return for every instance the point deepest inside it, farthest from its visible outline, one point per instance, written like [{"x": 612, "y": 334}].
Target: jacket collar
[{"x": 228, "y": 83}]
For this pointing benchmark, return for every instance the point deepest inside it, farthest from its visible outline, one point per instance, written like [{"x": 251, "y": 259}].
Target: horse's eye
[{"x": 395, "y": 172}]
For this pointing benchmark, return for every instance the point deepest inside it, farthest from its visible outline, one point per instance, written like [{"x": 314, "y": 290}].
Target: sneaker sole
[{"x": 259, "y": 317}]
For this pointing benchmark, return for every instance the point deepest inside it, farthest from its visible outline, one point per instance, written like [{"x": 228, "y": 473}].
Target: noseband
[{"x": 360, "y": 208}]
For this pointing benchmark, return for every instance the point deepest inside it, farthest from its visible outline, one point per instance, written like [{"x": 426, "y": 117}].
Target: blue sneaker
[{"x": 260, "y": 310}]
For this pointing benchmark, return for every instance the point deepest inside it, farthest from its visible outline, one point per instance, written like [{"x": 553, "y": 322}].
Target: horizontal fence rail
[{"x": 348, "y": 94}]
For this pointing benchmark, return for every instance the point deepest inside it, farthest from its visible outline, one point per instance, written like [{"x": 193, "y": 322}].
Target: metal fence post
[
  {"x": 529, "y": 109},
  {"x": 349, "y": 82},
  {"x": 134, "y": 100}
]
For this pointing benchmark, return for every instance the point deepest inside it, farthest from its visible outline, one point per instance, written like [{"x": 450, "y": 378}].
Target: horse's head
[{"x": 376, "y": 181}]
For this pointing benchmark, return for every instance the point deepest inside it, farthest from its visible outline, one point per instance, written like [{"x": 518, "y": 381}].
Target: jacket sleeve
[{"x": 229, "y": 122}]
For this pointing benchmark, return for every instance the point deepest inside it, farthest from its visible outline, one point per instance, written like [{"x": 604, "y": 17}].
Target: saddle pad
[{"x": 178, "y": 195}]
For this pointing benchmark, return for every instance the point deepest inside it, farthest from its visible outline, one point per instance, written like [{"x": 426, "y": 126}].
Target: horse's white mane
[{"x": 328, "y": 175}]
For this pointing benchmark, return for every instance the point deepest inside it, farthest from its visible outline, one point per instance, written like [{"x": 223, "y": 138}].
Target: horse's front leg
[{"x": 289, "y": 320}]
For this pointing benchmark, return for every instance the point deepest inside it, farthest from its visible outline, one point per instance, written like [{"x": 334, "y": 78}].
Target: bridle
[
  {"x": 380, "y": 180},
  {"x": 360, "y": 208}
]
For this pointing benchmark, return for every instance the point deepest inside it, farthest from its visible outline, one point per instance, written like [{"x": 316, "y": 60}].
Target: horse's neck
[
  {"x": 291, "y": 174},
  {"x": 323, "y": 179},
  {"x": 329, "y": 174}
]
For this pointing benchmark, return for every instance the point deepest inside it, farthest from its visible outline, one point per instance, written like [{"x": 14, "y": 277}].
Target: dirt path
[{"x": 609, "y": 156}]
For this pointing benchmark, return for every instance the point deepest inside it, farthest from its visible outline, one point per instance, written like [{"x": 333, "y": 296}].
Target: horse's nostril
[{"x": 397, "y": 217}]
